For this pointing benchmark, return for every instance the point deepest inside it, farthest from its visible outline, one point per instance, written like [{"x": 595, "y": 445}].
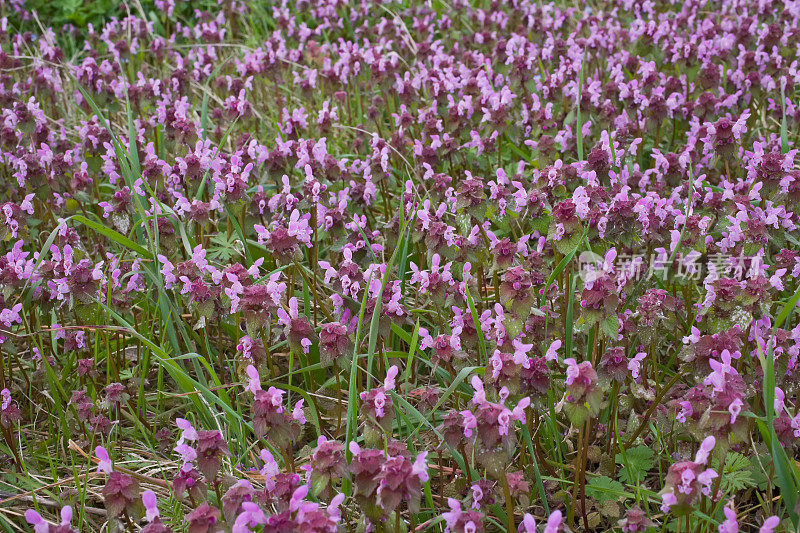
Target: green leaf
[
  {"x": 113, "y": 235},
  {"x": 476, "y": 321},
  {"x": 610, "y": 326},
  {"x": 784, "y": 124},
  {"x": 756, "y": 467},
  {"x": 604, "y": 488},
  {"x": 526, "y": 438},
  {"x": 736, "y": 481},
  {"x": 569, "y": 333},
  {"x": 734, "y": 462},
  {"x": 787, "y": 477},
  {"x": 352, "y": 389},
  {"x": 223, "y": 248},
  {"x": 636, "y": 462},
  {"x": 372, "y": 338}
]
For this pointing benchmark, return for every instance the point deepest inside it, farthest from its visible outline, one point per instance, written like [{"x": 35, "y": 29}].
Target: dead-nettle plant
[{"x": 400, "y": 266}]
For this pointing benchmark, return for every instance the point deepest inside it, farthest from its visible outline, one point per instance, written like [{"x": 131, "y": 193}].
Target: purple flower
[
  {"x": 11, "y": 316},
  {"x": 9, "y": 413},
  {"x": 635, "y": 520},
  {"x": 250, "y": 517},
  {"x": 150, "y": 505},
  {"x": 730, "y": 525},
  {"x": 187, "y": 431},
  {"x": 104, "y": 464},
  {"x": 254, "y": 382},
  {"x": 769, "y": 525},
  {"x": 635, "y": 364},
  {"x": 528, "y": 524},
  {"x": 686, "y": 481},
  {"x": 460, "y": 521},
  {"x": 298, "y": 330},
  {"x": 552, "y": 354},
  {"x": 554, "y": 522}
]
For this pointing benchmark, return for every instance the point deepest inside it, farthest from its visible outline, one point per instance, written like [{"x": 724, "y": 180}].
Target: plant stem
[{"x": 510, "y": 526}]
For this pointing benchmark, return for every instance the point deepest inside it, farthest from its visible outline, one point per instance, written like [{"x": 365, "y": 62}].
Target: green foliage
[
  {"x": 223, "y": 248},
  {"x": 603, "y": 488},
  {"x": 610, "y": 326},
  {"x": 760, "y": 478},
  {"x": 635, "y": 463},
  {"x": 76, "y": 12},
  {"x": 737, "y": 474}
]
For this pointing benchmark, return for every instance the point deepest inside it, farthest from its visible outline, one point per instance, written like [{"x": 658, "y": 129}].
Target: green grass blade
[{"x": 114, "y": 236}]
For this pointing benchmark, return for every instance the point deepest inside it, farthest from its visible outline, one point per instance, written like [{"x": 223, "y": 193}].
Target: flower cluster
[{"x": 375, "y": 266}]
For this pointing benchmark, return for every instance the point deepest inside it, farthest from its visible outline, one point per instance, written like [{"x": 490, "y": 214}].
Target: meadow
[{"x": 393, "y": 266}]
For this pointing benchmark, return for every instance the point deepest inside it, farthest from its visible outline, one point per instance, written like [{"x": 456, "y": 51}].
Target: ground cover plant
[{"x": 399, "y": 266}]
